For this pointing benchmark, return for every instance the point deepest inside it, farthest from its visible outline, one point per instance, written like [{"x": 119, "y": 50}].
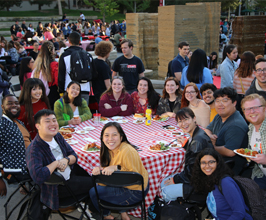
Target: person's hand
[
  {"x": 107, "y": 106},
  {"x": 96, "y": 171},
  {"x": 260, "y": 159},
  {"x": 213, "y": 138},
  {"x": 123, "y": 107},
  {"x": 181, "y": 139},
  {"x": 62, "y": 164},
  {"x": 3, "y": 190},
  {"x": 109, "y": 170},
  {"x": 77, "y": 121},
  {"x": 169, "y": 114},
  {"x": 71, "y": 122},
  {"x": 169, "y": 181}
]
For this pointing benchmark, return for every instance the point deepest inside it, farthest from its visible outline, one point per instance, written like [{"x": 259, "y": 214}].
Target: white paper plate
[
  {"x": 71, "y": 142},
  {"x": 158, "y": 151},
  {"x": 139, "y": 122},
  {"x": 177, "y": 133},
  {"x": 87, "y": 151},
  {"x": 122, "y": 121},
  {"x": 142, "y": 118},
  {"x": 117, "y": 118},
  {"x": 243, "y": 155},
  {"x": 105, "y": 122},
  {"x": 171, "y": 128},
  {"x": 82, "y": 132},
  {"x": 67, "y": 130},
  {"x": 89, "y": 128},
  {"x": 162, "y": 119}
]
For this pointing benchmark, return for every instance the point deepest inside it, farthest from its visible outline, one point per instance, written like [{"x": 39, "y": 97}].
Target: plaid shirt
[
  {"x": 38, "y": 156},
  {"x": 256, "y": 172}
]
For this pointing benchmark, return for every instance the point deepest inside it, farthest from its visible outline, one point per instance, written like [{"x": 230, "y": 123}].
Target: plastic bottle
[{"x": 148, "y": 116}]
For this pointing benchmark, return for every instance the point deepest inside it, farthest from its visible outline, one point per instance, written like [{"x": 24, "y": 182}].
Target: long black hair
[
  {"x": 78, "y": 100},
  {"x": 197, "y": 63},
  {"x": 153, "y": 96},
  {"x": 24, "y": 68},
  {"x": 204, "y": 183},
  {"x": 104, "y": 153},
  {"x": 213, "y": 63}
]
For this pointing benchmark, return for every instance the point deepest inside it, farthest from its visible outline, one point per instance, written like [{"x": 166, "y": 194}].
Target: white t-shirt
[
  {"x": 76, "y": 112},
  {"x": 58, "y": 155},
  {"x": 82, "y": 16}
]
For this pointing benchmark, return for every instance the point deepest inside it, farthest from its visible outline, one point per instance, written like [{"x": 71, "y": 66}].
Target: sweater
[{"x": 84, "y": 112}]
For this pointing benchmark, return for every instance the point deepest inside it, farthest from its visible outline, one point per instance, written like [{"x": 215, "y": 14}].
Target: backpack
[
  {"x": 254, "y": 196},
  {"x": 82, "y": 68},
  {"x": 169, "y": 72}
]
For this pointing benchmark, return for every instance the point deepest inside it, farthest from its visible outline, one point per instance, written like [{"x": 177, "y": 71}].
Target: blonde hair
[
  {"x": 252, "y": 97},
  {"x": 43, "y": 60}
]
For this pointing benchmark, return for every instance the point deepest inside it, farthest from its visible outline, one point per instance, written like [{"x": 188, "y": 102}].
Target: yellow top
[
  {"x": 128, "y": 158},
  {"x": 213, "y": 113}
]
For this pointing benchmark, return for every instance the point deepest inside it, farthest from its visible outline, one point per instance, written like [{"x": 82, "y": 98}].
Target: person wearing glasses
[
  {"x": 209, "y": 172},
  {"x": 191, "y": 98},
  {"x": 253, "y": 107},
  {"x": 228, "y": 130},
  {"x": 115, "y": 101},
  {"x": 259, "y": 83},
  {"x": 179, "y": 185}
]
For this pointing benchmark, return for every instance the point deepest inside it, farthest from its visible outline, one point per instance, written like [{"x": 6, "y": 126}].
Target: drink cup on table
[
  {"x": 76, "y": 116},
  {"x": 96, "y": 118}
]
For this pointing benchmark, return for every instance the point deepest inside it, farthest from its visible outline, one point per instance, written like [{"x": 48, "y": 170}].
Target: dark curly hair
[
  {"x": 203, "y": 183},
  {"x": 103, "y": 48}
]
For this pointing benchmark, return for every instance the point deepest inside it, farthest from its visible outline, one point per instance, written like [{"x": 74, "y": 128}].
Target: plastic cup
[
  {"x": 76, "y": 116},
  {"x": 96, "y": 119}
]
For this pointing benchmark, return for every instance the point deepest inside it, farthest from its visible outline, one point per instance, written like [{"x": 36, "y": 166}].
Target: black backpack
[
  {"x": 169, "y": 71},
  {"x": 82, "y": 68},
  {"x": 254, "y": 196}
]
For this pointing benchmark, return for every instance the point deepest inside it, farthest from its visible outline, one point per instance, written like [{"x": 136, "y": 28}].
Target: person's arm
[
  {"x": 177, "y": 69},
  {"x": 178, "y": 75},
  {"x": 107, "y": 83},
  {"x": 114, "y": 73},
  {"x": 59, "y": 114},
  {"x": 161, "y": 107},
  {"x": 207, "y": 76},
  {"x": 130, "y": 108},
  {"x": 85, "y": 113},
  {"x": 224, "y": 151},
  {"x": 3, "y": 189},
  {"x": 115, "y": 110},
  {"x": 141, "y": 75},
  {"x": 226, "y": 77},
  {"x": 260, "y": 159}
]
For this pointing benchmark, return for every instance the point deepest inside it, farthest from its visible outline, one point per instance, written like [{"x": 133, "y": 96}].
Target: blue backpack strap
[{"x": 61, "y": 103}]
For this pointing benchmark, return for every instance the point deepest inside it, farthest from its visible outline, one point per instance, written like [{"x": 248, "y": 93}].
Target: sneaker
[{"x": 87, "y": 210}]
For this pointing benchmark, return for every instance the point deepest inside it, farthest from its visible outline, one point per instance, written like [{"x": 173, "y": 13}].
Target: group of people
[{"x": 210, "y": 116}]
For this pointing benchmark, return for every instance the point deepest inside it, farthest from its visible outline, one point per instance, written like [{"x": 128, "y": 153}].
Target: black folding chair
[
  {"x": 15, "y": 88},
  {"x": 120, "y": 179},
  {"x": 57, "y": 179}
]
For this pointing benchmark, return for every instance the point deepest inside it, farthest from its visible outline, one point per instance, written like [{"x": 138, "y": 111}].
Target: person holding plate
[
  {"x": 72, "y": 105},
  {"x": 178, "y": 185},
  {"x": 115, "y": 101},
  {"x": 170, "y": 102},
  {"x": 118, "y": 154},
  {"x": 253, "y": 107}
]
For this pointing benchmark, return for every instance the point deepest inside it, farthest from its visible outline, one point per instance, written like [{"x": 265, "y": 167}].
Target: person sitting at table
[
  {"x": 37, "y": 38},
  {"x": 170, "y": 102},
  {"x": 34, "y": 53},
  {"x": 115, "y": 100},
  {"x": 47, "y": 34},
  {"x": 191, "y": 98},
  {"x": 12, "y": 52},
  {"x": 72, "y": 105},
  {"x": 86, "y": 28},
  {"x": 145, "y": 96},
  {"x": 118, "y": 154},
  {"x": 49, "y": 152},
  {"x": 32, "y": 99},
  {"x": 3, "y": 48},
  {"x": 26, "y": 67},
  {"x": 20, "y": 50},
  {"x": 178, "y": 185}
]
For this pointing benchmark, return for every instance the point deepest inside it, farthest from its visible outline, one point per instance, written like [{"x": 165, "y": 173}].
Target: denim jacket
[{"x": 227, "y": 71}]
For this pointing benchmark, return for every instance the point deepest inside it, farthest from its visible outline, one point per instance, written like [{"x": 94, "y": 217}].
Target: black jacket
[
  {"x": 200, "y": 140},
  {"x": 252, "y": 89}
]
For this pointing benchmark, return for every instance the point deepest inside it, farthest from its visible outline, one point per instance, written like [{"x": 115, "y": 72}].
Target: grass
[
  {"x": 4, "y": 29},
  {"x": 54, "y": 12}
]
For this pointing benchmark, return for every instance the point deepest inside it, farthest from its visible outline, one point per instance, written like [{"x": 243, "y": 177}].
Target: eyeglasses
[
  {"x": 117, "y": 77},
  {"x": 210, "y": 163},
  {"x": 259, "y": 71},
  {"x": 223, "y": 101},
  {"x": 191, "y": 92},
  {"x": 208, "y": 92},
  {"x": 255, "y": 109}
]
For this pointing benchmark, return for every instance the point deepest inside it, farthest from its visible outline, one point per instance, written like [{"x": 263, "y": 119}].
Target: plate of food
[
  {"x": 177, "y": 133},
  {"x": 71, "y": 142},
  {"x": 92, "y": 147},
  {"x": 103, "y": 119},
  {"x": 176, "y": 144},
  {"x": 161, "y": 146},
  {"x": 245, "y": 152},
  {"x": 67, "y": 129},
  {"x": 160, "y": 118},
  {"x": 66, "y": 135},
  {"x": 170, "y": 127},
  {"x": 117, "y": 118},
  {"x": 89, "y": 128},
  {"x": 139, "y": 116},
  {"x": 122, "y": 121},
  {"x": 82, "y": 132},
  {"x": 138, "y": 121}
]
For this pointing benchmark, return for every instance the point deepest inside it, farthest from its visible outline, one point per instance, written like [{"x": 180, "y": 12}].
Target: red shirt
[
  {"x": 138, "y": 108},
  {"x": 37, "y": 106}
]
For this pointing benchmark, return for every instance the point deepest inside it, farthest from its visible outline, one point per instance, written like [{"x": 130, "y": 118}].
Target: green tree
[
  {"x": 8, "y": 4},
  {"x": 41, "y": 3},
  {"x": 135, "y": 5},
  {"x": 261, "y": 5},
  {"x": 106, "y": 7}
]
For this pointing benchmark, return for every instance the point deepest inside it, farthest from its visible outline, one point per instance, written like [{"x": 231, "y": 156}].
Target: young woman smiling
[
  {"x": 118, "y": 154},
  {"x": 209, "y": 172},
  {"x": 72, "y": 105},
  {"x": 32, "y": 99},
  {"x": 115, "y": 100},
  {"x": 170, "y": 102},
  {"x": 191, "y": 98},
  {"x": 145, "y": 96}
]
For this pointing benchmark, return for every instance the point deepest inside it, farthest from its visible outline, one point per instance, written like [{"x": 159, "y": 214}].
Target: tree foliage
[
  {"x": 9, "y": 3},
  {"x": 141, "y": 5},
  {"x": 41, "y": 3},
  {"x": 106, "y": 7},
  {"x": 261, "y": 5}
]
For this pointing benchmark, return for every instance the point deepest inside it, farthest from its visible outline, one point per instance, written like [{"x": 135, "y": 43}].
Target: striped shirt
[{"x": 245, "y": 81}]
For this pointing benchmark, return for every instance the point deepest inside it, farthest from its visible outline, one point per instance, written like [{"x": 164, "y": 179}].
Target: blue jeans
[
  {"x": 261, "y": 182},
  {"x": 171, "y": 192},
  {"x": 116, "y": 195}
]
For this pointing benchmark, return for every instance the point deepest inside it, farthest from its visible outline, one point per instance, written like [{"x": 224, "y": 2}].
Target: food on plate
[
  {"x": 65, "y": 135},
  {"x": 159, "y": 146},
  {"x": 67, "y": 130},
  {"x": 138, "y": 121},
  {"x": 174, "y": 145},
  {"x": 92, "y": 147},
  {"x": 170, "y": 127},
  {"x": 246, "y": 151},
  {"x": 164, "y": 116},
  {"x": 103, "y": 119},
  {"x": 176, "y": 133},
  {"x": 138, "y": 115}
]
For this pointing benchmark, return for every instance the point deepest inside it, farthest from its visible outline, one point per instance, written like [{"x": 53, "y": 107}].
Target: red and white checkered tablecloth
[{"x": 158, "y": 165}]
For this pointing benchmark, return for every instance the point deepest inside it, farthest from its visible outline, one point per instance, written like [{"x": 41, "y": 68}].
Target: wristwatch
[
  {"x": 68, "y": 160},
  {"x": 118, "y": 167}
]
